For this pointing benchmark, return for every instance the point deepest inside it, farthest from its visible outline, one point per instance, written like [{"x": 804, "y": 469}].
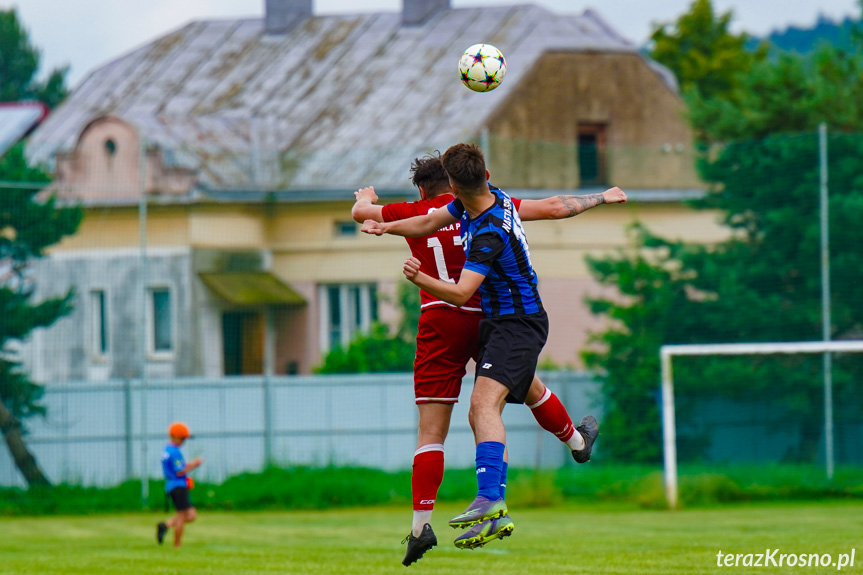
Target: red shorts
[{"x": 446, "y": 340}]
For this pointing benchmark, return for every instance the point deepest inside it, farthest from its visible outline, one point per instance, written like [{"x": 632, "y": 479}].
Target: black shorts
[
  {"x": 180, "y": 497},
  {"x": 509, "y": 351}
]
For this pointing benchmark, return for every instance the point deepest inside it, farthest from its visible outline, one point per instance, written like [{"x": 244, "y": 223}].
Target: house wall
[
  {"x": 301, "y": 249},
  {"x": 533, "y": 140},
  {"x": 118, "y": 227},
  {"x": 558, "y": 250},
  {"x": 66, "y": 351},
  {"x": 304, "y": 250},
  {"x": 307, "y": 252}
]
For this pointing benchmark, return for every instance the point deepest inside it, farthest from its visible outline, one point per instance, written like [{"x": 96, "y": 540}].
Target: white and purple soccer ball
[{"x": 482, "y": 67}]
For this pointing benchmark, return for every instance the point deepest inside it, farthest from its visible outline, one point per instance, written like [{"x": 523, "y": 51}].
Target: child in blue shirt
[{"x": 177, "y": 483}]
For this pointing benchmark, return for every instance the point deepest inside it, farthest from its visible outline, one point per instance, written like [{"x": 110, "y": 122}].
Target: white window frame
[
  {"x": 152, "y": 352},
  {"x": 95, "y": 326},
  {"x": 347, "y": 331}
]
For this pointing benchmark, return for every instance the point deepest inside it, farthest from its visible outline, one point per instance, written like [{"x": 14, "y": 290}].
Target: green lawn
[{"x": 592, "y": 539}]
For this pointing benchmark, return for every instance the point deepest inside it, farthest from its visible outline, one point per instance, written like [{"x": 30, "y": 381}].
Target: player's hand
[
  {"x": 366, "y": 194},
  {"x": 614, "y": 196},
  {"x": 372, "y": 227},
  {"x": 198, "y": 461},
  {"x": 411, "y": 267}
]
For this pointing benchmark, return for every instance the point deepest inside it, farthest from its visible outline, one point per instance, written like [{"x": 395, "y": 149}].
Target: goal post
[{"x": 668, "y": 352}]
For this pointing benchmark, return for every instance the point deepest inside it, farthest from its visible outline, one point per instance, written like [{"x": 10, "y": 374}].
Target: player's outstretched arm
[
  {"x": 560, "y": 207},
  {"x": 415, "y": 227},
  {"x": 365, "y": 207},
  {"x": 454, "y": 293}
]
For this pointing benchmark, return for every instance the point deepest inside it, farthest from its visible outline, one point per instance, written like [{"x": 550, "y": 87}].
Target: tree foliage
[
  {"x": 734, "y": 94},
  {"x": 19, "y": 64},
  {"x": 761, "y": 284},
  {"x": 790, "y": 93},
  {"x": 28, "y": 225},
  {"x": 704, "y": 55}
]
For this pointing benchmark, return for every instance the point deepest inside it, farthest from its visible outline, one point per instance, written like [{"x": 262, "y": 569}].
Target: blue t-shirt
[
  {"x": 172, "y": 462},
  {"x": 496, "y": 247}
]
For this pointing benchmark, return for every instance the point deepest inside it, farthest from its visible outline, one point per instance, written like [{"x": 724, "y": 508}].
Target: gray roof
[{"x": 339, "y": 101}]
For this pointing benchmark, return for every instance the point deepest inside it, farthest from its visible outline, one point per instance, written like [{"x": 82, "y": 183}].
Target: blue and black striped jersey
[{"x": 496, "y": 247}]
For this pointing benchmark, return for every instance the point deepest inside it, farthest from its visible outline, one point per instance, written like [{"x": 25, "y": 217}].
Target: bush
[{"x": 328, "y": 487}]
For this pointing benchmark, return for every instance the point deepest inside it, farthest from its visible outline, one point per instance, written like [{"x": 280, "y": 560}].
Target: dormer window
[{"x": 110, "y": 147}]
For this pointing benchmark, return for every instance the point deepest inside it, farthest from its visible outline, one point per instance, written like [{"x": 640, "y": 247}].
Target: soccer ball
[{"x": 482, "y": 67}]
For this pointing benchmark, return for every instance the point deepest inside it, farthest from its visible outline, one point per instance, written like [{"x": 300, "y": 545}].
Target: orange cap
[{"x": 178, "y": 429}]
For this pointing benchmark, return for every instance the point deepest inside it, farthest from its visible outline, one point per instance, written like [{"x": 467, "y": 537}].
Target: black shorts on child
[{"x": 180, "y": 497}]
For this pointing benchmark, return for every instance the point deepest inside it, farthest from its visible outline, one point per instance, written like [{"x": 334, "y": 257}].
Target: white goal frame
[{"x": 667, "y": 353}]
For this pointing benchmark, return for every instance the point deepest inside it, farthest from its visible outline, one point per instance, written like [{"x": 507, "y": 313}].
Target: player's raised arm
[
  {"x": 457, "y": 294},
  {"x": 415, "y": 227},
  {"x": 366, "y": 207},
  {"x": 559, "y": 207}
]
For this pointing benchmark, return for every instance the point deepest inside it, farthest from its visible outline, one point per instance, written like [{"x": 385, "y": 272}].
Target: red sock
[
  {"x": 427, "y": 476},
  {"x": 552, "y": 416}
]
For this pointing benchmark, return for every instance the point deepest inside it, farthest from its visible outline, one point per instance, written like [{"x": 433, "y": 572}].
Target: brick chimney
[
  {"x": 283, "y": 15},
  {"x": 418, "y": 12}
]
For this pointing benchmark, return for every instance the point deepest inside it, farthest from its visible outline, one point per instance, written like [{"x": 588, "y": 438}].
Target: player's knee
[
  {"x": 430, "y": 436},
  {"x": 536, "y": 392},
  {"x": 190, "y": 515},
  {"x": 473, "y": 415}
]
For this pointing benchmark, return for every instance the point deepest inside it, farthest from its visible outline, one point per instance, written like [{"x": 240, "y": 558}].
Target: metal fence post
[
  {"x": 142, "y": 225},
  {"x": 127, "y": 429},
  {"x": 269, "y": 370},
  {"x": 825, "y": 299}
]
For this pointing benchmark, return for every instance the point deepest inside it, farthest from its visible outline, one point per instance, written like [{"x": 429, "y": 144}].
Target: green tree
[
  {"x": 791, "y": 93},
  {"x": 381, "y": 351},
  {"x": 28, "y": 225},
  {"x": 701, "y": 51},
  {"x": 762, "y": 284},
  {"x": 708, "y": 61},
  {"x": 625, "y": 355},
  {"x": 19, "y": 64}
]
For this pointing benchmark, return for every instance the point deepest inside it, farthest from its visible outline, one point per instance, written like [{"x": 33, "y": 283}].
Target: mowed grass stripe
[{"x": 588, "y": 538}]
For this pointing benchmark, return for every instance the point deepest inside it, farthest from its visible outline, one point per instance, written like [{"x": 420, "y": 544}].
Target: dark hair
[
  {"x": 429, "y": 174},
  {"x": 465, "y": 165}
]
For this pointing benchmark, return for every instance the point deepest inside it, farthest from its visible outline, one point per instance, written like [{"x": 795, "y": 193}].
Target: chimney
[
  {"x": 418, "y": 12},
  {"x": 283, "y": 15}
]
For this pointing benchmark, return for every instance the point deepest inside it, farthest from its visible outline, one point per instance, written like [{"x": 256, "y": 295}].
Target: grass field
[{"x": 592, "y": 539}]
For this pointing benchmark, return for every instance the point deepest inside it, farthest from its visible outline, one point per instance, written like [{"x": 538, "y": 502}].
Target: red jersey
[{"x": 441, "y": 254}]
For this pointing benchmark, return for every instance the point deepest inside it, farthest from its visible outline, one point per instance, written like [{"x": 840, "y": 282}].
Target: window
[
  {"x": 346, "y": 310},
  {"x": 591, "y": 154},
  {"x": 98, "y": 323},
  {"x": 161, "y": 321},
  {"x": 346, "y": 229}
]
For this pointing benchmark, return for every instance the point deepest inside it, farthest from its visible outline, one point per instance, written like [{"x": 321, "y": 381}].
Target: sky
[{"x": 85, "y": 34}]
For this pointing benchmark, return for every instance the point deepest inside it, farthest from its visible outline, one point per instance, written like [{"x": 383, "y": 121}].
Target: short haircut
[
  {"x": 428, "y": 174},
  {"x": 465, "y": 165}
]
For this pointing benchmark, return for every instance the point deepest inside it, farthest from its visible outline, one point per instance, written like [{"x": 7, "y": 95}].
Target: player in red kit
[{"x": 448, "y": 336}]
